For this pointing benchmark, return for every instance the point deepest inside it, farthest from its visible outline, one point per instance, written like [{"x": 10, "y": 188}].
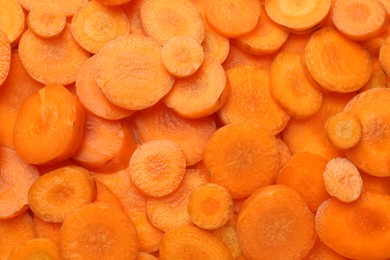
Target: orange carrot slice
[
  {"x": 5, "y": 57},
  {"x": 321, "y": 251},
  {"x": 12, "y": 21},
  {"x": 284, "y": 152},
  {"x": 215, "y": 46},
  {"x": 228, "y": 235},
  {"x": 113, "y": 2},
  {"x": 238, "y": 57},
  {"x": 133, "y": 12},
  {"x": 378, "y": 77},
  {"x": 48, "y": 230},
  {"x": 69, "y": 7},
  {"x": 145, "y": 256},
  {"x": 295, "y": 43},
  {"x": 383, "y": 56},
  {"x": 39, "y": 248},
  {"x": 106, "y": 196}
]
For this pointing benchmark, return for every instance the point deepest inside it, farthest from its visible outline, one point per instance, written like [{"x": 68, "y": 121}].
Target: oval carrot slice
[
  {"x": 12, "y": 19},
  {"x": 107, "y": 231},
  {"x": 48, "y": 230},
  {"x": 69, "y": 7},
  {"x": 272, "y": 216},
  {"x": 215, "y": 46},
  {"x": 44, "y": 115},
  {"x": 55, "y": 195},
  {"x": 39, "y": 248},
  {"x": 5, "y": 57}
]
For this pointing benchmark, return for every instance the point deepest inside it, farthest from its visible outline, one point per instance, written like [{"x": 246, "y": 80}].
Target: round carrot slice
[
  {"x": 12, "y": 19},
  {"x": 232, "y": 18},
  {"x": 44, "y": 116},
  {"x": 38, "y": 248},
  {"x": 98, "y": 232},
  {"x": 270, "y": 218},
  {"x": 336, "y": 63},
  {"x": 130, "y": 72},
  {"x": 52, "y": 61},
  {"x": 94, "y": 25},
  {"x": 69, "y": 7},
  {"x": 5, "y": 57},
  {"x": 215, "y": 46}
]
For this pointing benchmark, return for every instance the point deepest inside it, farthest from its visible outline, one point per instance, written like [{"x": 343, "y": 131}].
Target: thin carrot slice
[
  {"x": 232, "y": 18},
  {"x": 12, "y": 19},
  {"x": 182, "y": 56},
  {"x": 50, "y": 61},
  {"x": 38, "y": 248},
  {"x": 15, "y": 182},
  {"x": 165, "y": 19},
  {"x": 321, "y": 252},
  {"x": 215, "y": 46},
  {"x": 171, "y": 211},
  {"x": 238, "y": 57},
  {"x": 271, "y": 217},
  {"x": 105, "y": 195},
  {"x": 189, "y": 242},
  {"x": 46, "y": 114},
  {"x": 130, "y": 72},
  {"x": 250, "y": 100},
  {"x": 145, "y": 256},
  {"x": 210, "y": 206},
  {"x": 207, "y": 89},
  {"x": 296, "y": 92},
  {"x": 229, "y": 157},
  {"x": 384, "y": 59},
  {"x": 357, "y": 230},
  {"x": 97, "y": 231},
  {"x": 55, "y": 195},
  {"x": 69, "y": 7},
  {"x": 297, "y": 15},
  {"x": 5, "y": 57},
  {"x": 113, "y": 2},
  {"x": 157, "y": 167},
  {"x": 337, "y": 63},
  {"x": 95, "y": 24},
  {"x": 284, "y": 152},
  {"x": 48, "y": 230},
  {"x": 228, "y": 235},
  {"x": 46, "y": 20},
  {"x": 359, "y": 19}
]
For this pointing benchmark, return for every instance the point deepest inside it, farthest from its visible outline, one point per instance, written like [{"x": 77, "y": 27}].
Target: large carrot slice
[
  {"x": 69, "y": 7},
  {"x": 12, "y": 19},
  {"x": 38, "y": 248},
  {"x": 48, "y": 230},
  {"x": 5, "y": 57}
]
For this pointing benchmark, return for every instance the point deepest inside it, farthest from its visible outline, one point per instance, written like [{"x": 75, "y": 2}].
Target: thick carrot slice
[
  {"x": 145, "y": 256},
  {"x": 105, "y": 195},
  {"x": 232, "y": 18},
  {"x": 294, "y": 90},
  {"x": 97, "y": 231},
  {"x": 228, "y": 235},
  {"x": 271, "y": 217},
  {"x": 357, "y": 230},
  {"x": 15, "y": 182},
  {"x": 238, "y": 57},
  {"x": 38, "y": 248},
  {"x": 160, "y": 122},
  {"x": 55, "y": 195},
  {"x": 297, "y": 15},
  {"x": 189, "y": 242},
  {"x": 207, "y": 89},
  {"x": 46, "y": 114},
  {"x": 12, "y": 19},
  {"x": 229, "y": 157},
  {"x": 384, "y": 53},
  {"x": 321, "y": 252},
  {"x": 284, "y": 152},
  {"x": 336, "y": 63},
  {"x": 210, "y": 206},
  {"x": 215, "y": 46},
  {"x": 5, "y": 57},
  {"x": 59, "y": 65},
  {"x": 130, "y": 72},
  {"x": 94, "y": 25},
  {"x": 165, "y": 19},
  {"x": 48, "y": 230},
  {"x": 250, "y": 100},
  {"x": 359, "y": 19},
  {"x": 69, "y": 7}
]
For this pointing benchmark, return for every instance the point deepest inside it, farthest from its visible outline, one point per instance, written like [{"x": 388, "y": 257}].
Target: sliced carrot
[
  {"x": 171, "y": 211},
  {"x": 357, "y": 230},
  {"x": 44, "y": 115},
  {"x": 228, "y": 236},
  {"x": 337, "y": 63},
  {"x": 376, "y": 183},
  {"x": 271, "y": 217},
  {"x": 105, "y": 195},
  {"x": 215, "y": 46},
  {"x": 231, "y": 18},
  {"x": 145, "y": 256},
  {"x": 113, "y": 2},
  {"x": 250, "y": 100},
  {"x": 97, "y": 231},
  {"x": 38, "y": 248},
  {"x": 160, "y": 122},
  {"x": 295, "y": 43},
  {"x": 207, "y": 89},
  {"x": 55, "y": 195},
  {"x": 238, "y": 57},
  {"x": 133, "y": 12},
  {"x": 69, "y": 7},
  {"x": 50, "y": 61},
  {"x": 378, "y": 78},
  {"x": 12, "y": 21},
  {"x": 321, "y": 252},
  {"x": 165, "y": 19},
  {"x": 373, "y": 45},
  {"x": 48, "y": 230},
  {"x": 5, "y": 57},
  {"x": 189, "y": 242},
  {"x": 384, "y": 59},
  {"x": 210, "y": 206},
  {"x": 359, "y": 19},
  {"x": 230, "y": 158},
  {"x": 284, "y": 152}
]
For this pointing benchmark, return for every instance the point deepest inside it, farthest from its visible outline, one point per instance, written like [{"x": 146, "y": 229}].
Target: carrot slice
[
  {"x": 5, "y": 57},
  {"x": 133, "y": 12},
  {"x": 210, "y": 206},
  {"x": 145, "y": 256},
  {"x": 250, "y": 100},
  {"x": 38, "y": 248},
  {"x": 346, "y": 227},
  {"x": 215, "y": 46},
  {"x": 376, "y": 183},
  {"x": 189, "y": 242},
  {"x": 228, "y": 235},
  {"x": 271, "y": 217},
  {"x": 320, "y": 252},
  {"x": 232, "y": 18},
  {"x": 336, "y": 63},
  {"x": 378, "y": 78},
  {"x": 238, "y": 57},
  {"x": 95, "y": 24},
  {"x": 12, "y": 21},
  {"x": 165, "y": 19},
  {"x": 55, "y": 195},
  {"x": 69, "y": 7},
  {"x": 113, "y": 2},
  {"x": 359, "y": 19},
  {"x": 284, "y": 152},
  {"x": 105, "y": 195},
  {"x": 383, "y": 56},
  {"x": 59, "y": 65},
  {"x": 100, "y": 232},
  {"x": 295, "y": 43},
  {"x": 48, "y": 230},
  {"x": 51, "y": 111},
  {"x": 229, "y": 158}
]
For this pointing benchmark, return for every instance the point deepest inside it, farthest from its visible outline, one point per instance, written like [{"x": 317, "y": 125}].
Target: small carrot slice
[
  {"x": 232, "y": 18},
  {"x": 55, "y": 195},
  {"x": 12, "y": 19},
  {"x": 359, "y": 20},
  {"x": 69, "y": 7},
  {"x": 46, "y": 20},
  {"x": 165, "y": 19},
  {"x": 5, "y": 57},
  {"x": 238, "y": 57},
  {"x": 97, "y": 231},
  {"x": 210, "y": 206},
  {"x": 39, "y": 248},
  {"x": 337, "y": 63},
  {"x": 48, "y": 230},
  {"x": 182, "y": 56},
  {"x": 215, "y": 46},
  {"x": 384, "y": 53},
  {"x": 321, "y": 252},
  {"x": 51, "y": 111},
  {"x": 189, "y": 242}
]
